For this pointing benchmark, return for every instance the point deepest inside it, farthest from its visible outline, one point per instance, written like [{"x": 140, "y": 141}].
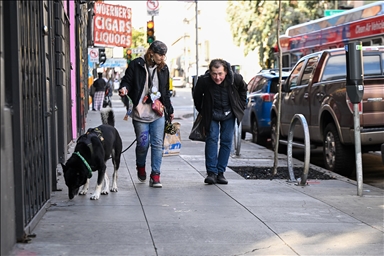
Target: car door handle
[{"x": 319, "y": 95}]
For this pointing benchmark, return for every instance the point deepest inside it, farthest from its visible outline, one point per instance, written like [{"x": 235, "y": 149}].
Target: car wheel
[
  {"x": 282, "y": 148},
  {"x": 337, "y": 157},
  {"x": 256, "y": 138}
]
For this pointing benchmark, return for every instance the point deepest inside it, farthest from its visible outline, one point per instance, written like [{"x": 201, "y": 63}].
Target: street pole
[
  {"x": 359, "y": 165},
  {"x": 355, "y": 92},
  {"x": 197, "y": 56}
]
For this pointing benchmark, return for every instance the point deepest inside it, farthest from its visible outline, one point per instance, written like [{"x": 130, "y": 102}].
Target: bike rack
[
  {"x": 237, "y": 138},
  {"x": 299, "y": 118}
]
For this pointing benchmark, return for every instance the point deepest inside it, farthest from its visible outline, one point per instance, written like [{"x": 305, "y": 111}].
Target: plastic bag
[
  {"x": 172, "y": 142},
  {"x": 197, "y": 132}
]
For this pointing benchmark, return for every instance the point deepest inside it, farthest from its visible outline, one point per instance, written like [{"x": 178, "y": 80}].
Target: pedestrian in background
[
  {"x": 147, "y": 79},
  {"x": 92, "y": 94},
  {"x": 108, "y": 93},
  {"x": 99, "y": 85},
  {"x": 220, "y": 96}
]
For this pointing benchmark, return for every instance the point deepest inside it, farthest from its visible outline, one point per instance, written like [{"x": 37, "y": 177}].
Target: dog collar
[{"x": 85, "y": 162}]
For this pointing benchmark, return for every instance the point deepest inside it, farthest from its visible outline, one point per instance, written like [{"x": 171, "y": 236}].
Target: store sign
[
  {"x": 115, "y": 62},
  {"x": 112, "y": 25}
]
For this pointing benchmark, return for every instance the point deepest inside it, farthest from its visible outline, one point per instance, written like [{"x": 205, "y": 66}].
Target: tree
[
  {"x": 253, "y": 23},
  {"x": 138, "y": 40}
]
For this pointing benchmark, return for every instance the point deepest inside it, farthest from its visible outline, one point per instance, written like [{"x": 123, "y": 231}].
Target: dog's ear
[{"x": 64, "y": 167}]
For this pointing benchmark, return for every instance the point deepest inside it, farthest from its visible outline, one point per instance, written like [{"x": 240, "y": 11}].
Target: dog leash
[{"x": 128, "y": 146}]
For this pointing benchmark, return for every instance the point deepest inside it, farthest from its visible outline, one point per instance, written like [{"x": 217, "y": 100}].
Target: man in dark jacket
[
  {"x": 220, "y": 96},
  {"x": 146, "y": 80}
]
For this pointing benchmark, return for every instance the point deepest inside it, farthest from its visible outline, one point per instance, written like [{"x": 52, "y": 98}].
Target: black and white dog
[{"x": 91, "y": 153}]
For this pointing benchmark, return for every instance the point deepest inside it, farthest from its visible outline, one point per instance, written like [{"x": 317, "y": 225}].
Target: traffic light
[
  {"x": 150, "y": 31},
  {"x": 129, "y": 55},
  {"x": 102, "y": 56}
]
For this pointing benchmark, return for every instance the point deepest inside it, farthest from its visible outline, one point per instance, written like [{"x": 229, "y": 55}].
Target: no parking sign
[
  {"x": 153, "y": 7},
  {"x": 93, "y": 54}
]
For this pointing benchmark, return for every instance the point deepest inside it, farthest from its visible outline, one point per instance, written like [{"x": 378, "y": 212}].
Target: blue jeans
[
  {"x": 149, "y": 134},
  {"x": 216, "y": 160}
]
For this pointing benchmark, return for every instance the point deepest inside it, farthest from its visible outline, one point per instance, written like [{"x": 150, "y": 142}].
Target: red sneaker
[
  {"x": 141, "y": 174},
  {"x": 154, "y": 180}
]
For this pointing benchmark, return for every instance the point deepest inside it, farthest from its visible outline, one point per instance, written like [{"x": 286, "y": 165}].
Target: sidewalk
[{"x": 187, "y": 217}]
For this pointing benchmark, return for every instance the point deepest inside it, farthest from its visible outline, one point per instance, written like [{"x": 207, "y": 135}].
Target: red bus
[{"x": 365, "y": 24}]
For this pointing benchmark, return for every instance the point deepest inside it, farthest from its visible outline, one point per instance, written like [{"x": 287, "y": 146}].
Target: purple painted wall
[{"x": 72, "y": 32}]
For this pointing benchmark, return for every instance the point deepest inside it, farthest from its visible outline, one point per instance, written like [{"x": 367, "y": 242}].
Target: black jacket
[
  {"x": 203, "y": 95},
  {"x": 99, "y": 84},
  {"x": 134, "y": 81}
]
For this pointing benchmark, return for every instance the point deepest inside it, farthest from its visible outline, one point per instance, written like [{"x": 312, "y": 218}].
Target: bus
[{"x": 364, "y": 23}]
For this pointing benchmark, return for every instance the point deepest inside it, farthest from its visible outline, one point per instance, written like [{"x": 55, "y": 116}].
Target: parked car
[
  {"x": 178, "y": 81},
  {"x": 316, "y": 88},
  {"x": 261, "y": 90},
  {"x": 172, "y": 91},
  {"x": 382, "y": 152}
]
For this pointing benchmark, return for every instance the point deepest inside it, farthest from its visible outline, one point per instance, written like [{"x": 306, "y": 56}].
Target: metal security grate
[{"x": 33, "y": 88}]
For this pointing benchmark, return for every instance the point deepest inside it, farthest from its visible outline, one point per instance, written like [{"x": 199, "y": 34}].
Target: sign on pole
[
  {"x": 112, "y": 25},
  {"x": 93, "y": 54},
  {"x": 332, "y": 12},
  {"x": 138, "y": 50},
  {"x": 153, "y": 7}
]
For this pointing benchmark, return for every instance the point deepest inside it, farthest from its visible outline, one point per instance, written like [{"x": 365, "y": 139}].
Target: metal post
[
  {"x": 197, "y": 56},
  {"x": 355, "y": 92},
  {"x": 359, "y": 169},
  {"x": 197, "y": 40}
]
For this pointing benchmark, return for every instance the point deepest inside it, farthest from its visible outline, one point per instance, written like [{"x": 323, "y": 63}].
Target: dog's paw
[
  {"x": 83, "y": 192},
  {"x": 104, "y": 192},
  {"x": 113, "y": 189},
  {"x": 95, "y": 197}
]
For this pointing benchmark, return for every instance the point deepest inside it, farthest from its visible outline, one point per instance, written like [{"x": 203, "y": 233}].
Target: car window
[
  {"x": 261, "y": 85},
  {"x": 335, "y": 68},
  {"x": 250, "y": 84},
  {"x": 371, "y": 65},
  {"x": 309, "y": 70},
  {"x": 273, "y": 87},
  {"x": 253, "y": 84},
  {"x": 295, "y": 74}
]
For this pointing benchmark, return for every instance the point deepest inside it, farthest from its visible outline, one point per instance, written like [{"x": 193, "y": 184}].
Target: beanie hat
[{"x": 158, "y": 47}]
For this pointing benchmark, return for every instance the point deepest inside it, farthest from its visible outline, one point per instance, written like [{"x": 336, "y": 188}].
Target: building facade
[{"x": 44, "y": 103}]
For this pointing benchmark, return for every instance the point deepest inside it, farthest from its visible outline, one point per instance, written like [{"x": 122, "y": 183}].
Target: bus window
[
  {"x": 366, "y": 43},
  {"x": 285, "y": 61},
  {"x": 294, "y": 58},
  {"x": 377, "y": 41}
]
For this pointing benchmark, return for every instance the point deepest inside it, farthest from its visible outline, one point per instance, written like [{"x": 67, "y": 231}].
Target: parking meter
[{"x": 354, "y": 58}]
